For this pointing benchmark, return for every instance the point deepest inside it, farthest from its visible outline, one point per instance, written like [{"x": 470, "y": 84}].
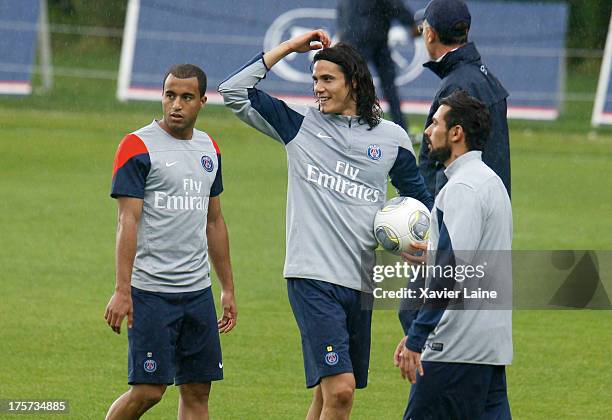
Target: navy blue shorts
[
  {"x": 459, "y": 391},
  {"x": 335, "y": 329},
  {"x": 174, "y": 338}
]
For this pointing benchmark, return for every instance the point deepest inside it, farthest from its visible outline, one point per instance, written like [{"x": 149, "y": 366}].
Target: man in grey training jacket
[
  {"x": 340, "y": 156},
  {"x": 460, "y": 352}
]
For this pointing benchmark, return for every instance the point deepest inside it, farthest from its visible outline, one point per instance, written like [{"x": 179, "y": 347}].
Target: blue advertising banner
[
  {"x": 602, "y": 110},
  {"x": 522, "y": 43},
  {"x": 18, "y": 36}
]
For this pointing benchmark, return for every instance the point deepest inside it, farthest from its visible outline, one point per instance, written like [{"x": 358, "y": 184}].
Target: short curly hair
[
  {"x": 469, "y": 113},
  {"x": 187, "y": 71}
]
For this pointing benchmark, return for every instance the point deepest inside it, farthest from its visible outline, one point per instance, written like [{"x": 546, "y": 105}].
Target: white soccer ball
[{"x": 402, "y": 220}]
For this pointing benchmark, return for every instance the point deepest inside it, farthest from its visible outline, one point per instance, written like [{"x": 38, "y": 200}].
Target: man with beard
[
  {"x": 444, "y": 25},
  {"x": 460, "y": 355}
]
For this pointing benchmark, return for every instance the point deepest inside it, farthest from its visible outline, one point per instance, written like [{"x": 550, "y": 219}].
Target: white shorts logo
[
  {"x": 331, "y": 358},
  {"x": 150, "y": 365}
]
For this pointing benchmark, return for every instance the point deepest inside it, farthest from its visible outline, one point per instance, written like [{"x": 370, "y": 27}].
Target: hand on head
[{"x": 313, "y": 40}]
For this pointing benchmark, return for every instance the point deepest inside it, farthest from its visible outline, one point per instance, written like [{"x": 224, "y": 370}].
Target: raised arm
[
  {"x": 313, "y": 40},
  {"x": 263, "y": 112}
]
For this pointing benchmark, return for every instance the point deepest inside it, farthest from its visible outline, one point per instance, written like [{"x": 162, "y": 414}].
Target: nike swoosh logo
[
  {"x": 220, "y": 365},
  {"x": 169, "y": 164},
  {"x": 323, "y": 136}
]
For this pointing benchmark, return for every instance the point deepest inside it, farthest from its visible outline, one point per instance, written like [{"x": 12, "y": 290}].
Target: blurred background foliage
[
  {"x": 109, "y": 13},
  {"x": 588, "y": 21},
  {"x": 587, "y": 29}
]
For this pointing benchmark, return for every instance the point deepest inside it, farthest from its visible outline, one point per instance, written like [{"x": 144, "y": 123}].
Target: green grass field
[{"x": 57, "y": 255}]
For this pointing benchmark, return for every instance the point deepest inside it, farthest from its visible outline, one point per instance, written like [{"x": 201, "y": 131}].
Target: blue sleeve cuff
[
  {"x": 264, "y": 62},
  {"x": 406, "y": 317},
  {"x": 417, "y": 337},
  {"x": 425, "y": 322},
  {"x": 411, "y": 347}
]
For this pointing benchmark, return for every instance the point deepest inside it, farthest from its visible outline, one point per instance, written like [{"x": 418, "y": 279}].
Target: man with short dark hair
[
  {"x": 445, "y": 25},
  {"x": 167, "y": 181},
  {"x": 187, "y": 71},
  {"x": 460, "y": 348},
  {"x": 340, "y": 155}
]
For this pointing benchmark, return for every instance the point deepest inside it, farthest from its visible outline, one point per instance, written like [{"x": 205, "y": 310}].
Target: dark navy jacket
[{"x": 463, "y": 69}]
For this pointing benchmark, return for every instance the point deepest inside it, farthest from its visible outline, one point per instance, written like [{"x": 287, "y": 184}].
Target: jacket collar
[
  {"x": 461, "y": 161},
  {"x": 465, "y": 54},
  {"x": 343, "y": 120}
]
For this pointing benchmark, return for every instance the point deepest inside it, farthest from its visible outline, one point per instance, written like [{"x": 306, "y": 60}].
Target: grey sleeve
[{"x": 261, "y": 111}]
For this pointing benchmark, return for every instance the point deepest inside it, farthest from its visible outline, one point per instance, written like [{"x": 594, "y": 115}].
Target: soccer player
[
  {"x": 460, "y": 355},
  {"x": 167, "y": 181},
  {"x": 340, "y": 155}
]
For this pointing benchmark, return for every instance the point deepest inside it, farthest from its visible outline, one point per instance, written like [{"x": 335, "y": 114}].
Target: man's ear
[
  {"x": 203, "y": 99},
  {"x": 457, "y": 133},
  {"x": 432, "y": 35}
]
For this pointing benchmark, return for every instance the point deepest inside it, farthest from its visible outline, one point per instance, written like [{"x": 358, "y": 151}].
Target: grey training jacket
[{"x": 338, "y": 171}]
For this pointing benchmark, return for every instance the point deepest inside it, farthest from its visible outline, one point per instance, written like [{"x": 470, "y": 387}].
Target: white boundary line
[
  {"x": 517, "y": 112},
  {"x": 127, "y": 50},
  {"x": 605, "y": 118},
  {"x": 532, "y": 113},
  {"x": 602, "y": 86},
  {"x": 15, "y": 88}
]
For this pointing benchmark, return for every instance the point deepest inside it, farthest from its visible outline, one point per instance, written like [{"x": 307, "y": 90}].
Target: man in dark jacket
[
  {"x": 445, "y": 25},
  {"x": 365, "y": 24}
]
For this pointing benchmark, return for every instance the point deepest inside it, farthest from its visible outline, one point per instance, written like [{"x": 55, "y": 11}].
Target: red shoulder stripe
[
  {"x": 215, "y": 144},
  {"x": 130, "y": 146}
]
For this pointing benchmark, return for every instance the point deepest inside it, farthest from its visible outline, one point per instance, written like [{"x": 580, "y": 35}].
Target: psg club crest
[
  {"x": 150, "y": 365},
  {"x": 207, "y": 163},
  {"x": 374, "y": 152},
  {"x": 331, "y": 358}
]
